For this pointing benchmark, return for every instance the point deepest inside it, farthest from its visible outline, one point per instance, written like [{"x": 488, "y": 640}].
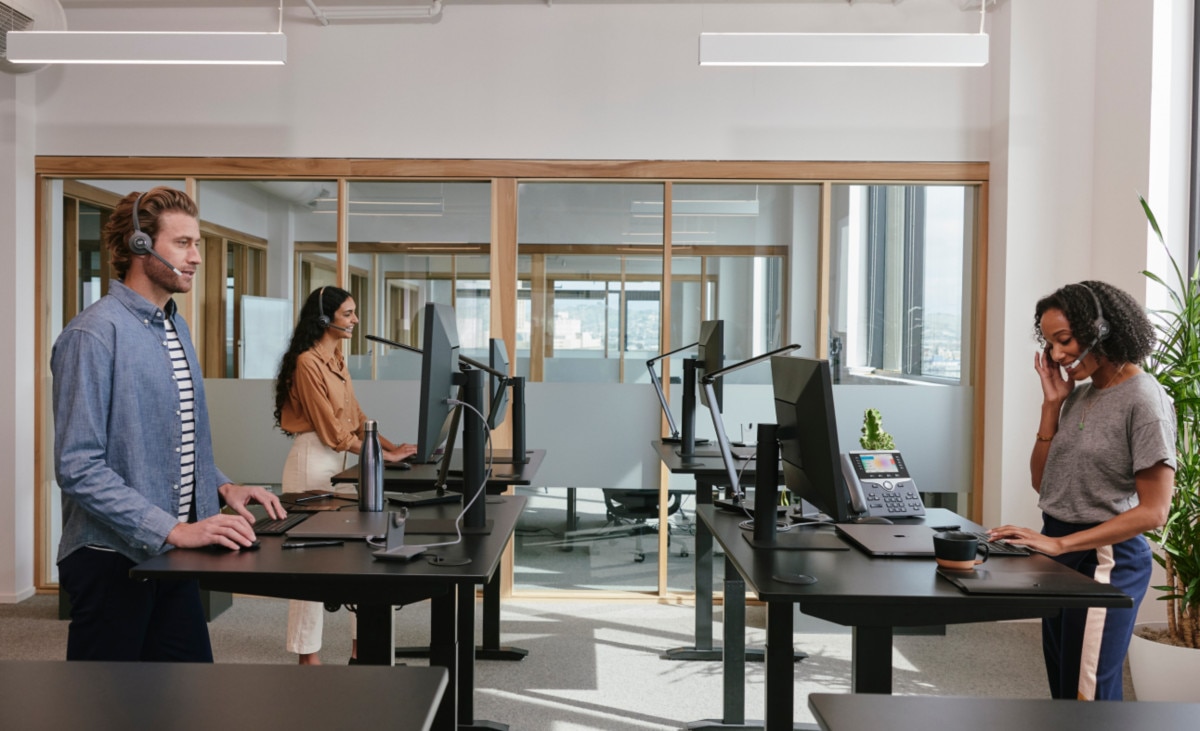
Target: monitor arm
[
  {"x": 394, "y": 344},
  {"x": 662, "y": 396},
  {"x": 706, "y": 382}
]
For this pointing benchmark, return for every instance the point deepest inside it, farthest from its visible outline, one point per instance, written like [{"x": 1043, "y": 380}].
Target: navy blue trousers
[
  {"x": 114, "y": 617},
  {"x": 1085, "y": 648}
]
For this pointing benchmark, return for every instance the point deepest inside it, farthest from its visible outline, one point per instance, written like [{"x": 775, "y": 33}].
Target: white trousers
[{"x": 310, "y": 465}]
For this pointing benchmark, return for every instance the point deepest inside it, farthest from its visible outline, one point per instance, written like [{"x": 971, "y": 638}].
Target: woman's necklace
[{"x": 1093, "y": 396}]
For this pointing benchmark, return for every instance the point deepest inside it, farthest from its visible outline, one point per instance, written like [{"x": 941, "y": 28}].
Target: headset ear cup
[
  {"x": 140, "y": 243},
  {"x": 1102, "y": 328},
  {"x": 323, "y": 321}
]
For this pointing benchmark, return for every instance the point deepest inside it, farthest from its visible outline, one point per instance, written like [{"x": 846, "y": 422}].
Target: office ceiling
[{"x": 388, "y": 3}]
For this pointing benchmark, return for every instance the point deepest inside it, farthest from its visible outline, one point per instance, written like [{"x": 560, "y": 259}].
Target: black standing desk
[
  {"x": 118, "y": 696},
  {"x": 709, "y": 473},
  {"x": 504, "y": 475},
  {"x": 350, "y": 575},
  {"x": 873, "y": 596},
  {"x": 852, "y": 712},
  {"x": 424, "y": 476}
]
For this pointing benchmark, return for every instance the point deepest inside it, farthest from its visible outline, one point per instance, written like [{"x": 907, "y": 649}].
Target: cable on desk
[
  {"x": 482, "y": 487},
  {"x": 781, "y": 526}
]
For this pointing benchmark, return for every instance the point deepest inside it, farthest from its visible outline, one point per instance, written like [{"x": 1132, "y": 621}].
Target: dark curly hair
[
  {"x": 322, "y": 301},
  {"x": 1131, "y": 334},
  {"x": 119, "y": 226}
]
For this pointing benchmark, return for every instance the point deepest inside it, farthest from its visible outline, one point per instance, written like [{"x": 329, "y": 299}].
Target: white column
[{"x": 19, "y": 303}]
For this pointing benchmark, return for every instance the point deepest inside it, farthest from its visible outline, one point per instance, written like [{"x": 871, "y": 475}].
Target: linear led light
[
  {"x": 843, "y": 49},
  {"x": 167, "y": 47}
]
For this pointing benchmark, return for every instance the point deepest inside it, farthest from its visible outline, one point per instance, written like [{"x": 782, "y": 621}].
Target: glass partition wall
[{"x": 591, "y": 274}]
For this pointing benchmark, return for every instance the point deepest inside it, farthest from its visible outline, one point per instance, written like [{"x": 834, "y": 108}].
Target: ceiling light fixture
[
  {"x": 324, "y": 16},
  {"x": 846, "y": 49},
  {"x": 148, "y": 47}
]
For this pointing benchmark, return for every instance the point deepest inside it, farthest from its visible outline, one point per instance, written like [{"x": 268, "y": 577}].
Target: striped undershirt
[{"x": 187, "y": 450}]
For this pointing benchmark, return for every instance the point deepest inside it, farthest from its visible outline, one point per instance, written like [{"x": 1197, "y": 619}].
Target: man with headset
[{"x": 133, "y": 452}]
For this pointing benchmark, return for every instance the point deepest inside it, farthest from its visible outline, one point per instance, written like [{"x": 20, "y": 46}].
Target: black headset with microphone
[
  {"x": 1100, "y": 324},
  {"x": 324, "y": 320},
  {"x": 140, "y": 243}
]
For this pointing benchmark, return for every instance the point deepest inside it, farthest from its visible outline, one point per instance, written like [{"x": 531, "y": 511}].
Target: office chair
[{"x": 634, "y": 508}]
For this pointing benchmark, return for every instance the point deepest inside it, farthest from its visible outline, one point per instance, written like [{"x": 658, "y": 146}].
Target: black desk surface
[
  {"x": 855, "y": 589},
  {"x": 422, "y": 476},
  {"x": 202, "y": 697},
  {"x": 855, "y": 712},
  {"x": 347, "y": 574},
  {"x": 707, "y": 461}
]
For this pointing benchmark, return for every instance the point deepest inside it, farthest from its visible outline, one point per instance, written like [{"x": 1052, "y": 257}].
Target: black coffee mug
[{"x": 956, "y": 550}]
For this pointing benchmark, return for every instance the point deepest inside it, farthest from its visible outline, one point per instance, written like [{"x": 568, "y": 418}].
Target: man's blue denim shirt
[{"x": 117, "y": 430}]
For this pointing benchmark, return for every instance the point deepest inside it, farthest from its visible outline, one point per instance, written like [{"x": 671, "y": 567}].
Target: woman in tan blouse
[{"x": 315, "y": 404}]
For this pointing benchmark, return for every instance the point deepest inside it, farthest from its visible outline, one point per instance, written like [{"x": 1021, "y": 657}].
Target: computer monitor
[
  {"x": 807, "y": 431},
  {"x": 711, "y": 358},
  {"x": 498, "y": 360},
  {"x": 439, "y": 364}
]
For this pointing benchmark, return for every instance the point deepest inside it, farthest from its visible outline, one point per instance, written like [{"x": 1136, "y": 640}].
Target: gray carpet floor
[{"x": 596, "y": 665}]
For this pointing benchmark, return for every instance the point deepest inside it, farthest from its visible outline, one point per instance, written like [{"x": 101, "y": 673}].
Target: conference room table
[
  {"x": 872, "y": 596},
  {"x": 118, "y": 696},
  {"x": 854, "y": 712},
  {"x": 349, "y": 574},
  {"x": 504, "y": 475}
]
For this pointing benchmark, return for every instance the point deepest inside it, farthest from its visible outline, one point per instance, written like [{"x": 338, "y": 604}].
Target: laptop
[
  {"x": 889, "y": 540},
  {"x": 1052, "y": 583},
  {"x": 345, "y": 524}
]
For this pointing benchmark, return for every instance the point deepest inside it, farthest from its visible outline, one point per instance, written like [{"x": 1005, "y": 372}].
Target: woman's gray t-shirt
[{"x": 1104, "y": 437}]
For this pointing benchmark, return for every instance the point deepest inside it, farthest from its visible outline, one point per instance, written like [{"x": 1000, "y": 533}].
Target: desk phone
[{"x": 880, "y": 486}]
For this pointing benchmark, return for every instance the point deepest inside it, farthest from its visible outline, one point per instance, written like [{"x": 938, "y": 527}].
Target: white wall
[
  {"x": 576, "y": 81},
  {"x": 616, "y": 81}
]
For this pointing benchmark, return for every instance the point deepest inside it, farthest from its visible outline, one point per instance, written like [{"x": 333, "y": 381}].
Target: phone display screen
[{"x": 879, "y": 464}]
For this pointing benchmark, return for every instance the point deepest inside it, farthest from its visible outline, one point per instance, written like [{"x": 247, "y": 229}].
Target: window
[{"x": 900, "y": 256}]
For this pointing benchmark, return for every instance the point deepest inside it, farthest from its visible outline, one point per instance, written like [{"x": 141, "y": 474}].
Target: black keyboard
[
  {"x": 269, "y": 526},
  {"x": 999, "y": 548}
]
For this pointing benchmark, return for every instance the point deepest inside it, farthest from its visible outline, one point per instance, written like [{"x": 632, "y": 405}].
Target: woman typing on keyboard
[
  {"x": 1103, "y": 464},
  {"x": 315, "y": 404}
]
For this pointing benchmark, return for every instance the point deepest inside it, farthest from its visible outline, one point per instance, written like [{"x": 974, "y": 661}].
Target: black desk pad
[{"x": 986, "y": 581}]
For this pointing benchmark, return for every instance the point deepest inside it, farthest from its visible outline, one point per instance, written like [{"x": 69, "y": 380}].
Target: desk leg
[
  {"x": 871, "y": 660},
  {"x": 703, "y": 649},
  {"x": 443, "y": 652},
  {"x": 491, "y": 649},
  {"x": 572, "y": 518},
  {"x": 376, "y": 634},
  {"x": 466, "y": 663},
  {"x": 779, "y": 705},
  {"x": 733, "y": 665}
]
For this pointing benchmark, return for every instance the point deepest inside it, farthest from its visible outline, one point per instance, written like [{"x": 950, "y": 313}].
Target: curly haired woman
[{"x": 1103, "y": 465}]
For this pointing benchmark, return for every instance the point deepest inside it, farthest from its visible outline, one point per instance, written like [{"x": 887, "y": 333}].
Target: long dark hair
[{"x": 324, "y": 301}]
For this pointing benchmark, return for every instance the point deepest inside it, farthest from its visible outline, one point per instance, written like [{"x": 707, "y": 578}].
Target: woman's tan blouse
[{"x": 322, "y": 400}]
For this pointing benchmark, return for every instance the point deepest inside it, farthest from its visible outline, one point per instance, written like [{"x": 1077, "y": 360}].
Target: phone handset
[
  {"x": 879, "y": 484},
  {"x": 858, "y": 502}
]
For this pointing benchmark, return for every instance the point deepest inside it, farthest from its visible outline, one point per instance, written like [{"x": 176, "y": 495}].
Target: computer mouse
[
  {"x": 403, "y": 465},
  {"x": 875, "y": 519}
]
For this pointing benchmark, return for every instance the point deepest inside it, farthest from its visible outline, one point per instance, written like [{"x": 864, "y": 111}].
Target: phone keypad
[{"x": 894, "y": 498}]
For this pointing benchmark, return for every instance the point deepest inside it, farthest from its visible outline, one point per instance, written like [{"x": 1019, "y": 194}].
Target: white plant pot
[{"x": 1163, "y": 672}]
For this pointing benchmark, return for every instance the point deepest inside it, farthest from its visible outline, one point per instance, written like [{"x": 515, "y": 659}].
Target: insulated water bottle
[{"x": 370, "y": 470}]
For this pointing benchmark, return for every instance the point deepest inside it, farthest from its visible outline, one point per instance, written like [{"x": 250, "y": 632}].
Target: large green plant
[{"x": 1176, "y": 364}]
